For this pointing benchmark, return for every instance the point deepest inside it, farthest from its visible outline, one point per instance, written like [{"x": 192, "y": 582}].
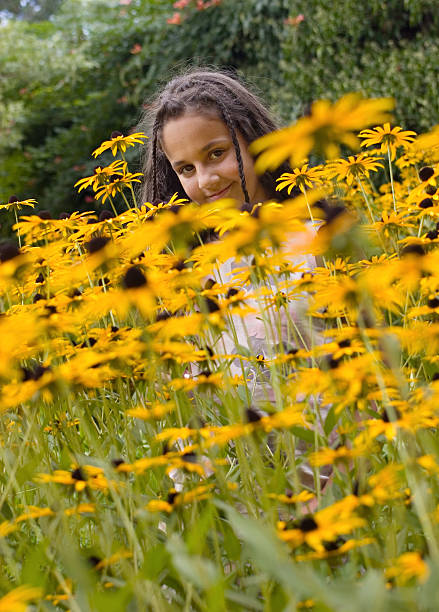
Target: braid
[
  {"x": 154, "y": 160},
  {"x": 229, "y": 122}
]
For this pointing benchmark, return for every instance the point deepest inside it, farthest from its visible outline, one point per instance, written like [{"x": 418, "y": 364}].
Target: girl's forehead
[{"x": 191, "y": 133}]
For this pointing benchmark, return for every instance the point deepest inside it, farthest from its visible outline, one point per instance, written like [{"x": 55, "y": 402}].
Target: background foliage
[{"x": 72, "y": 72}]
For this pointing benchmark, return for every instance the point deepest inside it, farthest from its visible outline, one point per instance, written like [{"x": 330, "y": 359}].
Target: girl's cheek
[{"x": 189, "y": 188}]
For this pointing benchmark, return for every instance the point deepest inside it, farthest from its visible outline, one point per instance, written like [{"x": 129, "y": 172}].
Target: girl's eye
[
  {"x": 216, "y": 153},
  {"x": 185, "y": 170}
]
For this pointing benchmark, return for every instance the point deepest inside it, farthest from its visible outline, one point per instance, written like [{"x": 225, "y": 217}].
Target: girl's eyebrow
[{"x": 207, "y": 146}]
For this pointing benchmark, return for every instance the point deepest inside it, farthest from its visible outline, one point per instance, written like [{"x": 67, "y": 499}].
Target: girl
[
  {"x": 200, "y": 108},
  {"x": 200, "y": 127}
]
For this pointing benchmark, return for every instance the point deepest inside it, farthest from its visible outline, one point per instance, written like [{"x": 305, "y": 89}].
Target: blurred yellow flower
[
  {"x": 407, "y": 566},
  {"x": 327, "y": 127},
  {"x": 18, "y": 599}
]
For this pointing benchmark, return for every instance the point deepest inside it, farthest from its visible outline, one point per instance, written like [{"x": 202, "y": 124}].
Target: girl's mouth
[{"x": 219, "y": 194}]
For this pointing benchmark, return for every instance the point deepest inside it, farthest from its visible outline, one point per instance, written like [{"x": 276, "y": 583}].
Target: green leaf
[
  {"x": 303, "y": 434},
  {"x": 155, "y": 560},
  {"x": 34, "y": 570},
  {"x": 197, "y": 570},
  {"x": 330, "y": 421}
]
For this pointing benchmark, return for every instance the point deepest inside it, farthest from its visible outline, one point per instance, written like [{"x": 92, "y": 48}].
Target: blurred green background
[{"x": 72, "y": 71}]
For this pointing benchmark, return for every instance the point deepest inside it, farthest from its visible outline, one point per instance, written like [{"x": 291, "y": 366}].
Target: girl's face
[{"x": 201, "y": 152}]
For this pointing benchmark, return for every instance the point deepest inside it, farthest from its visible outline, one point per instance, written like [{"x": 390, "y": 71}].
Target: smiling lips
[{"x": 219, "y": 194}]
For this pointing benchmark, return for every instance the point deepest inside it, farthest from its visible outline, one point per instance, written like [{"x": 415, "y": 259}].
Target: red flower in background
[
  {"x": 295, "y": 21},
  {"x": 175, "y": 19}
]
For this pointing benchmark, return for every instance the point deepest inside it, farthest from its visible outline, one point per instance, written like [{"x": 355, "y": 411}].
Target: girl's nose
[{"x": 207, "y": 179}]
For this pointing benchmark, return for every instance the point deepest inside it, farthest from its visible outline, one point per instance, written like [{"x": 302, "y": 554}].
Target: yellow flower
[
  {"x": 300, "y": 177},
  {"x": 302, "y": 497},
  {"x": 330, "y": 456},
  {"x": 430, "y": 140},
  {"x": 388, "y": 138},
  {"x": 33, "y": 513},
  {"x": 352, "y": 168},
  {"x": 119, "y": 142},
  {"x": 17, "y": 600},
  {"x": 16, "y": 204},
  {"x": 341, "y": 550},
  {"x": 80, "y": 477},
  {"x": 102, "y": 175},
  {"x": 158, "y": 505},
  {"x": 156, "y": 411},
  {"x": 80, "y": 509},
  {"x": 118, "y": 183},
  {"x": 407, "y": 566},
  {"x": 121, "y": 554},
  {"x": 391, "y": 219},
  {"x": 6, "y": 528},
  {"x": 327, "y": 127},
  {"x": 324, "y": 526},
  {"x": 180, "y": 498}
]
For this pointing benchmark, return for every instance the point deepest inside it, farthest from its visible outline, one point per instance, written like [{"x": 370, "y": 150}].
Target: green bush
[{"x": 379, "y": 47}]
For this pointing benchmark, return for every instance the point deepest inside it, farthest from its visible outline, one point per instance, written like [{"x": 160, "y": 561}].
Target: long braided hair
[{"x": 205, "y": 91}]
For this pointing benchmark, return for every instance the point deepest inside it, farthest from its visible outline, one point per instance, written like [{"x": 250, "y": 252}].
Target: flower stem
[
  {"x": 125, "y": 200},
  {"x": 366, "y": 199},
  {"x": 309, "y": 207},
  {"x": 391, "y": 177},
  {"x": 18, "y": 229},
  {"x": 112, "y": 205}
]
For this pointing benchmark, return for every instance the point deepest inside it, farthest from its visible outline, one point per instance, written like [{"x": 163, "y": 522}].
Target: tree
[
  {"x": 29, "y": 10},
  {"x": 69, "y": 83}
]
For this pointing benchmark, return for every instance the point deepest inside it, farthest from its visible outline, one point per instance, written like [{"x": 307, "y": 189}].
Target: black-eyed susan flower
[
  {"x": 389, "y": 139},
  {"x": 180, "y": 498},
  {"x": 119, "y": 142},
  {"x": 302, "y": 178},
  {"x": 324, "y": 526},
  {"x": 353, "y": 168},
  {"x": 79, "y": 478},
  {"x": 117, "y": 184},
  {"x": 101, "y": 175},
  {"x": 15, "y": 204}
]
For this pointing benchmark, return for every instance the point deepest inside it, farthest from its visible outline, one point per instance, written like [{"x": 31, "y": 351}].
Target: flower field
[{"x": 152, "y": 460}]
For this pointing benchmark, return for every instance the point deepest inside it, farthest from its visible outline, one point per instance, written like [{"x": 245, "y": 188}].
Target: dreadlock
[{"x": 204, "y": 91}]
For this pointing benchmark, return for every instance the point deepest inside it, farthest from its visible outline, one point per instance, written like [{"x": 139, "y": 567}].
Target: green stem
[
  {"x": 391, "y": 177},
  {"x": 125, "y": 200},
  {"x": 18, "y": 229},
  {"x": 112, "y": 205},
  {"x": 309, "y": 207},
  {"x": 366, "y": 199}
]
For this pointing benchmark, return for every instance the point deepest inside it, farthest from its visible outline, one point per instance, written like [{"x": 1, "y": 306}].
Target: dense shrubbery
[{"x": 379, "y": 47}]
